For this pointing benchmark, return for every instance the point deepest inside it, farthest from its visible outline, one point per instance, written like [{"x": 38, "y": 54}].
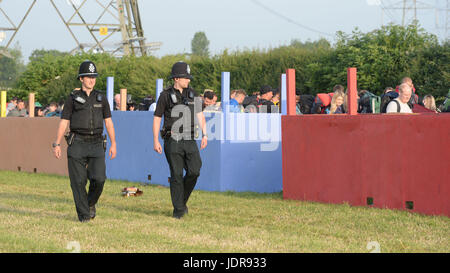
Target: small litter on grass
[{"x": 131, "y": 191}]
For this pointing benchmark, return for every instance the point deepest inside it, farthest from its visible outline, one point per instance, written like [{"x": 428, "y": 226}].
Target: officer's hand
[
  {"x": 57, "y": 152},
  {"x": 204, "y": 143},
  {"x": 112, "y": 151},
  {"x": 157, "y": 147}
]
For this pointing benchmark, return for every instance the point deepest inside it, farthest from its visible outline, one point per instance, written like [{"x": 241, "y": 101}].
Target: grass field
[{"x": 38, "y": 215}]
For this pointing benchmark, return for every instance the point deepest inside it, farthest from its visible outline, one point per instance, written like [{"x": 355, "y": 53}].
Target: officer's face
[
  {"x": 88, "y": 82},
  {"x": 183, "y": 82}
]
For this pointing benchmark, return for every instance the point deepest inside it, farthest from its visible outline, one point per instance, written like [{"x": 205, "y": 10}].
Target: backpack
[
  {"x": 386, "y": 99},
  {"x": 251, "y": 101},
  {"x": 306, "y": 103},
  {"x": 445, "y": 107},
  {"x": 321, "y": 102},
  {"x": 369, "y": 103}
]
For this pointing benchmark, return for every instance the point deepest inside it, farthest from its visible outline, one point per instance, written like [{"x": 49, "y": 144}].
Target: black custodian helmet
[
  {"x": 181, "y": 70},
  {"x": 87, "y": 68}
]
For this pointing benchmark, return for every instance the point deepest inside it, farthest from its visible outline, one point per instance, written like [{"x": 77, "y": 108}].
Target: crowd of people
[
  {"x": 266, "y": 100},
  {"x": 402, "y": 99},
  {"x": 19, "y": 108}
]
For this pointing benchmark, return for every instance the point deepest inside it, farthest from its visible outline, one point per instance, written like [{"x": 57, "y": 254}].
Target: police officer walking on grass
[
  {"x": 180, "y": 109},
  {"x": 86, "y": 109}
]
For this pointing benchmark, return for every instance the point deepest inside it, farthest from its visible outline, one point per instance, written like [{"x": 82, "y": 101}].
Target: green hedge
[{"x": 382, "y": 57}]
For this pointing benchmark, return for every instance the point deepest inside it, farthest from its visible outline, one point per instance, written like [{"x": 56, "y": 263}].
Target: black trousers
[
  {"x": 182, "y": 155},
  {"x": 86, "y": 160}
]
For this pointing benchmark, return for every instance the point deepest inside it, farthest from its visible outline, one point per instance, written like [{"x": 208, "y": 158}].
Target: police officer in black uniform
[
  {"x": 86, "y": 109},
  {"x": 180, "y": 107}
]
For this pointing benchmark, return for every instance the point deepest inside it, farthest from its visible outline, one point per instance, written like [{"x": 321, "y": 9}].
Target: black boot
[{"x": 92, "y": 211}]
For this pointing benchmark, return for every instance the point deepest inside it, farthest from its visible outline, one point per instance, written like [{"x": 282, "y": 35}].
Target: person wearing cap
[
  {"x": 180, "y": 108},
  {"x": 86, "y": 109},
  {"x": 265, "y": 104},
  {"x": 38, "y": 110}
]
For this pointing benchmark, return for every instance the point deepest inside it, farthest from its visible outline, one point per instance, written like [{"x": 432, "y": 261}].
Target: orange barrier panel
[
  {"x": 352, "y": 90},
  {"x": 26, "y": 145},
  {"x": 123, "y": 99},
  {"x": 290, "y": 86},
  {"x": 386, "y": 161},
  {"x": 31, "y": 105}
]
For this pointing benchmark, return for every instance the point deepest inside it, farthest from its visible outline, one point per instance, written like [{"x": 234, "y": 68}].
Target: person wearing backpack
[
  {"x": 265, "y": 104},
  {"x": 304, "y": 103},
  {"x": 400, "y": 104},
  {"x": 414, "y": 99},
  {"x": 445, "y": 106}
]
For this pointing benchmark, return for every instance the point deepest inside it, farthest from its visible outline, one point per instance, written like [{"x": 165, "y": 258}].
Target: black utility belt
[
  {"x": 89, "y": 138},
  {"x": 98, "y": 138},
  {"x": 165, "y": 134}
]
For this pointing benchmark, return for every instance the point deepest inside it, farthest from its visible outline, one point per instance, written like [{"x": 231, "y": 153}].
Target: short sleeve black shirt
[
  {"x": 68, "y": 104},
  {"x": 165, "y": 105}
]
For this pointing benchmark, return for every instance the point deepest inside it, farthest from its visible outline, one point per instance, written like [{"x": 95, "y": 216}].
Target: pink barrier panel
[{"x": 385, "y": 161}]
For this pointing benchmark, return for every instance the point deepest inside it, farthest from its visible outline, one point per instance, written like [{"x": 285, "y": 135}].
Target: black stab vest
[{"x": 87, "y": 117}]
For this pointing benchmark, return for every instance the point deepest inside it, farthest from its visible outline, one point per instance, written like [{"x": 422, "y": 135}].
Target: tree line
[{"x": 382, "y": 56}]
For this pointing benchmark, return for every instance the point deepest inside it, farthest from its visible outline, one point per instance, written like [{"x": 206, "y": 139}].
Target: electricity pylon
[
  {"x": 114, "y": 17},
  {"x": 11, "y": 27},
  {"x": 410, "y": 10}
]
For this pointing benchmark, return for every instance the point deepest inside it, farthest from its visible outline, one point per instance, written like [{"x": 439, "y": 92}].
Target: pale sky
[{"x": 228, "y": 24}]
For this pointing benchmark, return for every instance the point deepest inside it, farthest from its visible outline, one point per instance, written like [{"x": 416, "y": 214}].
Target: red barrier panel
[{"x": 394, "y": 161}]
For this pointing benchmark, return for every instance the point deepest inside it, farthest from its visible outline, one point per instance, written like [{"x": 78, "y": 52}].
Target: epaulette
[
  {"x": 76, "y": 96},
  {"x": 75, "y": 92}
]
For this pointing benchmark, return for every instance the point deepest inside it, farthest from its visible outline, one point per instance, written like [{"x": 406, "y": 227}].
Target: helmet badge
[{"x": 92, "y": 68}]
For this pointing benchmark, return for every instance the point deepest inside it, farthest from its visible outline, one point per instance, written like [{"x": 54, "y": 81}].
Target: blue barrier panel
[
  {"x": 283, "y": 94},
  {"x": 249, "y": 159},
  {"x": 110, "y": 92},
  {"x": 159, "y": 88},
  {"x": 251, "y": 154}
]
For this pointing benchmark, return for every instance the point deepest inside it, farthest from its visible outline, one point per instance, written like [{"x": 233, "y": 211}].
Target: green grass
[{"x": 38, "y": 215}]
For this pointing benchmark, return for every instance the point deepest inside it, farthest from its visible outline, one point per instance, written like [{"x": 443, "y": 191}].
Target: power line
[
  {"x": 124, "y": 18},
  {"x": 387, "y": 12},
  {"x": 289, "y": 19},
  {"x": 410, "y": 11}
]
